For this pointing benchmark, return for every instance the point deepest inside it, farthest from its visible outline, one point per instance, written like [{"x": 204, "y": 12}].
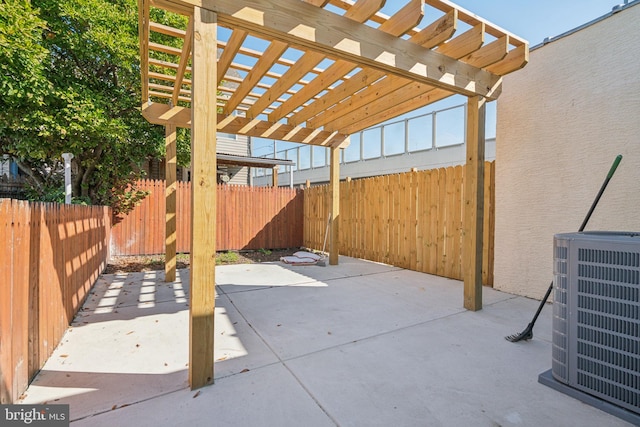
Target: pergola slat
[
  {"x": 331, "y": 75},
  {"x": 515, "y": 60},
  {"x": 335, "y": 117},
  {"x": 404, "y": 20},
  {"x": 143, "y": 34},
  {"x": 233, "y": 45},
  {"x": 465, "y": 43},
  {"x": 396, "y": 93},
  {"x": 157, "y": 47},
  {"x": 438, "y": 31},
  {"x": 167, "y": 77},
  {"x": 364, "y": 9},
  {"x": 308, "y": 61},
  {"x": 184, "y": 60},
  {"x": 418, "y": 100},
  {"x": 271, "y": 55},
  {"x": 166, "y": 30}
]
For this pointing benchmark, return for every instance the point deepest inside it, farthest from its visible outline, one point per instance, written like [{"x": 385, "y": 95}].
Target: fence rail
[
  {"x": 52, "y": 254},
  {"x": 411, "y": 220},
  {"x": 247, "y": 218}
]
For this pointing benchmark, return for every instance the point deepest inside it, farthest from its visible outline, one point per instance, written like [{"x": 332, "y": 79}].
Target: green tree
[{"x": 71, "y": 83}]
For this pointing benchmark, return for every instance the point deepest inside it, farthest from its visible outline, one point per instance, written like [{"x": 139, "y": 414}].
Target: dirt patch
[{"x": 129, "y": 264}]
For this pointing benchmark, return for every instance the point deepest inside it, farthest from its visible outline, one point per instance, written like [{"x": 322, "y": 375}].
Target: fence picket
[
  {"x": 51, "y": 257},
  {"x": 412, "y": 220},
  {"x": 247, "y": 218}
]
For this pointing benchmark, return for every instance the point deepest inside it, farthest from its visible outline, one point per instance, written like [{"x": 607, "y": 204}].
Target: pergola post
[
  {"x": 474, "y": 204},
  {"x": 274, "y": 177},
  {"x": 335, "y": 205},
  {"x": 170, "y": 203},
  {"x": 203, "y": 198}
]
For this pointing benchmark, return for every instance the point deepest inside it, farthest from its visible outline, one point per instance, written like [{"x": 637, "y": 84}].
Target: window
[{"x": 420, "y": 133}]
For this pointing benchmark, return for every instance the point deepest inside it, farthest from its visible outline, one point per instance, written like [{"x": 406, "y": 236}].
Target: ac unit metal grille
[{"x": 596, "y": 336}]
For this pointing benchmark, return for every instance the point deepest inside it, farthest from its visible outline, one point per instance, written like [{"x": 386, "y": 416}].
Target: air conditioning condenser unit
[{"x": 596, "y": 321}]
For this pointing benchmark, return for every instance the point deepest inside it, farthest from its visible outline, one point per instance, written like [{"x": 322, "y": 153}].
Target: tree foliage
[{"x": 70, "y": 78}]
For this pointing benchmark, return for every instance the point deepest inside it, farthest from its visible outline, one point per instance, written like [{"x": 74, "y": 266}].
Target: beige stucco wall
[{"x": 561, "y": 121}]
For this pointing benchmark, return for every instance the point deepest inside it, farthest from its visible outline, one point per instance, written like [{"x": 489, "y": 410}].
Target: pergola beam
[{"x": 163, "y": 114}]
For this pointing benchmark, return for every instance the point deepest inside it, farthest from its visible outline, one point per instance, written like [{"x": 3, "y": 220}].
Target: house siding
[{"x": 238, "y": 146}]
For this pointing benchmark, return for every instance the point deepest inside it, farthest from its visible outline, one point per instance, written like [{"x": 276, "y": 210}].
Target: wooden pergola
[{"x": 318, "y": 71}]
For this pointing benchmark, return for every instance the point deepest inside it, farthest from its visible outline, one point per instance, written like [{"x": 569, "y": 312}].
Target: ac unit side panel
[
  {"x": 559, "y": 345},
  {"x": 603, "y": 331}
]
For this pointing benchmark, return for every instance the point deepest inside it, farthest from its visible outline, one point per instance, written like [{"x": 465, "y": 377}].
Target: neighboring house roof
[{"x": 256, "y": 162}]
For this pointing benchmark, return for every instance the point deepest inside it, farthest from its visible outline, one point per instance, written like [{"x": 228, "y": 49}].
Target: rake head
[{"x": 525, "y": 335}]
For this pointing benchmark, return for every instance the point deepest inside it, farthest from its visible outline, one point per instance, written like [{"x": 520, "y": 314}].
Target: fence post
[{"x": 67, "y": 177}]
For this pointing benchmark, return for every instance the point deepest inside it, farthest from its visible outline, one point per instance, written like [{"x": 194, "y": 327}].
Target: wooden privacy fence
[
  {"x": 51, "y": 256},
  {"x": 247, "y": 218},
  {"x": 411, "y": 220}
]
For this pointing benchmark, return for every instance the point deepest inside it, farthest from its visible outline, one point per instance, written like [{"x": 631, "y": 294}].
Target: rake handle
[{"x": 614, "y": 166}]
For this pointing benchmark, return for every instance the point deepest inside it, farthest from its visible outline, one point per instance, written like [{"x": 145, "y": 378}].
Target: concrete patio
[{"x": 359, "y": 344}]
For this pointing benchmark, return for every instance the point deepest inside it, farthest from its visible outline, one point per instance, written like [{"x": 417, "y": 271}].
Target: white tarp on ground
[{"x": 301, "y": 258}]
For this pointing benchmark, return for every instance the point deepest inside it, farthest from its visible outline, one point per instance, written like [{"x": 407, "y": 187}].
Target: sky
[{"x": 533, "y": 20}]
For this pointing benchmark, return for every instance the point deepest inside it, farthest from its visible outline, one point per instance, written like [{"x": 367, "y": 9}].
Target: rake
[
  {"x": 322, "y": 262},
  {"x": 527, "y": 333}
]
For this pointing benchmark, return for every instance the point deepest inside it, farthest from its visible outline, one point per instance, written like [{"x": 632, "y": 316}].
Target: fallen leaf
[
  {"x": 279, "y": 324},
  {"x": 114, "y": 407},
  {"x": 244, "y": 370},
  {"x": 222, "y": 358},
  {"x": 137, "y": 345},
  {"x": 166, "y": 364},
  {"x": 129, "y": 333},
  {"x": 196, "y": 395},
  {"x": 329, "y": 333},
  {"x": 64, "y": 355}
]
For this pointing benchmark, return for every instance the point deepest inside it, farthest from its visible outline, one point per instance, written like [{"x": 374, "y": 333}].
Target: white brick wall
[{"x": 561, "y": 122}]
